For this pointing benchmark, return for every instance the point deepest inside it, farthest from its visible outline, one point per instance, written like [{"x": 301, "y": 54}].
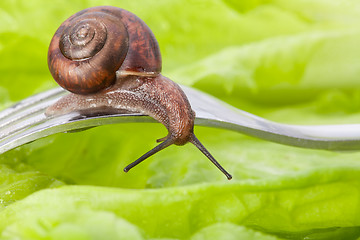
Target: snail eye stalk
[
  {"x": 156, "y": 149},
  {"x": 201, "y": 147}
]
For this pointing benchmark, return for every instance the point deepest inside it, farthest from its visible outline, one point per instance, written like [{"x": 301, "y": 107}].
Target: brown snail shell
[
  {"x": 92, "y": 45},
  {"x": 109, "y": 59}
]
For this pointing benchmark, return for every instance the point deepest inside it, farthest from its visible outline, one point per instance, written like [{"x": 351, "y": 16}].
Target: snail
[{"x": 108, "y": 58}]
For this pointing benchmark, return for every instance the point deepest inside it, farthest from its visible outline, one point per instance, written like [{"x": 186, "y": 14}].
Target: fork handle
[{"x": 212, "y": 112}]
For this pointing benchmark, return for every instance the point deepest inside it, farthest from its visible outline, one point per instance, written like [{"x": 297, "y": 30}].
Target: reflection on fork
[{"x": 25, "y": 122}]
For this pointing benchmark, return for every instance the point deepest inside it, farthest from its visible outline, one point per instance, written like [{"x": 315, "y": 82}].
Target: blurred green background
[{"x": 291, "y": 61}]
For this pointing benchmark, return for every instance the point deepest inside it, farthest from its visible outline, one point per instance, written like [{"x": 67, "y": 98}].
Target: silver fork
[{"x": 25, "y": 122}]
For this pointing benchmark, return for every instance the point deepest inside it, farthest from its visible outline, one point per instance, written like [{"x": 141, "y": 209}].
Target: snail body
[{"x": 109, "y": 60}]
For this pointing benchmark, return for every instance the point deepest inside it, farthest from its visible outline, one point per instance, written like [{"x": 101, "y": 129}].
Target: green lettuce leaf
[{"x": 292, "y": 61}]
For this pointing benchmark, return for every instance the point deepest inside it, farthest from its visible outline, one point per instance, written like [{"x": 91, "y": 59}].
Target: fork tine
[
  {"x": 25, "y": 121},
  {"x": 23, "y": 131},
  {"x": 29, "y": 105},
  {"x": 40, "y": 126},
  {"x": 24, "y": 113}
]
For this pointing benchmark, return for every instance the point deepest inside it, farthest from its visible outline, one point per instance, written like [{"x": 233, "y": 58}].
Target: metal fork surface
[{"x": 25, "y": 122}]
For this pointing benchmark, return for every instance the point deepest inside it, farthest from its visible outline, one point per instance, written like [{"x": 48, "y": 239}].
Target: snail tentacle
[{"x": 168, "y": 142}]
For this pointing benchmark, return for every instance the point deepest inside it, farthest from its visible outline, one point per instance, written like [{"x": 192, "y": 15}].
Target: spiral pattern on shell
[
  {"x": 92, "y": 45},
  {"x": 83, "y": 40}
]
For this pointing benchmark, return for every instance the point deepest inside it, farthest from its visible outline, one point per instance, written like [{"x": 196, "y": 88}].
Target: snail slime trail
[{"x": 108, "y": 58}]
